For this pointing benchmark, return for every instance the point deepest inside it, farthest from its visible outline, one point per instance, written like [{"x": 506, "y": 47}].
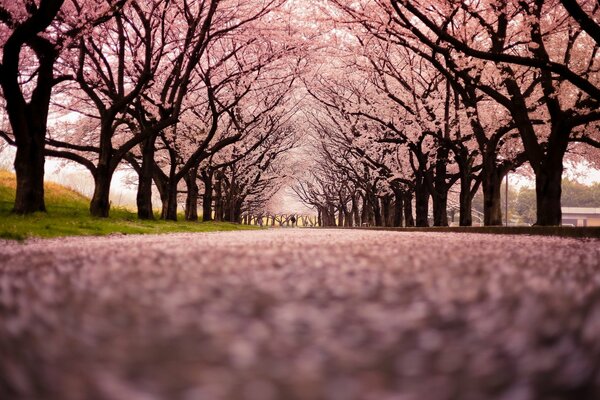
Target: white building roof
[{"x": 580, "y": 210}]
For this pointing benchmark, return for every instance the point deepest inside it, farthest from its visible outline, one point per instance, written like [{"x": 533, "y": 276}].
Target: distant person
[{"x": 293, "y": 220}]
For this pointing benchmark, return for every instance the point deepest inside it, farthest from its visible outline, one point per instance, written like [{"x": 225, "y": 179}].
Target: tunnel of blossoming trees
[
  {"x": 354, "y": 115},
  {"x": 373, "y": 112}
]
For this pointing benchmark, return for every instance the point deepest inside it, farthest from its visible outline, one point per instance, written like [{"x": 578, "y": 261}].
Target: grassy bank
[{"x": 68, "y": 215}]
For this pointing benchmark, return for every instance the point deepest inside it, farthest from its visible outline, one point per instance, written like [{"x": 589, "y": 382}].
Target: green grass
[{"x": 68, "y": 215}]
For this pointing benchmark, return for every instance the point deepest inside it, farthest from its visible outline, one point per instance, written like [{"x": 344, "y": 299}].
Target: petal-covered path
[{"x": 300, "y": 314}]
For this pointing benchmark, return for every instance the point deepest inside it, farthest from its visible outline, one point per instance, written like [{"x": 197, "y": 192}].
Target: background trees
[
  {"x": 472, "y": 91},
  {"x": 547, "y": 68}
]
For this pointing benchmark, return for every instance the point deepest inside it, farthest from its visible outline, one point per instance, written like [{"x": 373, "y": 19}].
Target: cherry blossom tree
[
  {"x": 33, "y": 34},
  {"x": 537, "y": 38},
  {"x": 235, "y": 37},
  {"x": 139, "y": 73}
]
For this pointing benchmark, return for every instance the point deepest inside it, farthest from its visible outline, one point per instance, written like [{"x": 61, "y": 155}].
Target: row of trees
[
  {"x": 194, "y": 94},
  {"x": 440, "y": 95},
  {"x": 404, "y": 101}
]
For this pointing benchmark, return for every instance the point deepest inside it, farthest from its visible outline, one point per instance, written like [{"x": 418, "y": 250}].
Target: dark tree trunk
[
  {"x": 439, "y": 189},
  {"x": 409, "y": 220},
  {"x": 29, "y": 120},
  {"x": 144, "y": 192},
  {"x": 29, "y": 167},
  {"x": 191, "y": 200},
  {"x": 492, "y": 200},
  {"x": 466, "y": 202},
  {"x": 164, "y": 201},
  {"x": 421, "y": 201},
  {"x": 219, "y": 215},
  {"x": 163, "y": 191},
  {"x": 171, "y": 209},
  {"x": 546, "y": 159},
  {"x": 207, "y": 197},
  {"x": 377, "y": 211},
  {"x": 366, "y": 210},
  {"x": 386, "y": 208},
  {"x": 171, "y": 183},
  {"x": 227, "y": 211},
  {"x": 327, "y": 217},
  {"x": 237, "y": 212},
  {"x": 218, "y": 201},
  {"x": 100, "y": 204},
  {"x": 331, "y": 215},
  {"x": 440, "y": 208},
  {"x": 548, "y": 190},
  {"x": 398, "y": 206},
  {"x": 548, "y": 176}
]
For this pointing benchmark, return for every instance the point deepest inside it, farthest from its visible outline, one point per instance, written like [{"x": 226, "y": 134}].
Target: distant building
[{"x": 580, "y": 216}]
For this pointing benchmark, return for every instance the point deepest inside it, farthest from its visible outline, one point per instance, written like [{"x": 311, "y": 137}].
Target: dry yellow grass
[{"x": 68, "y": 215}]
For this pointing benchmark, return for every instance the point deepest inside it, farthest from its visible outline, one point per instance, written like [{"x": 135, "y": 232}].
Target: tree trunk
[
  {"x": 421, "y": 201},
  {"x": 227, "y": 204},
  {"x": 465, "y": 200},
  {"x": 164, "y": 201},
  {"x": 492, "y": 200},
  {"x": 218, "y": 201},
  {"x": 548, "y": 190},
  {"x": 365, "y": 212},
  {"x": 100, "y": 204},
  {"x": 548, "y": 176},
  {"x": 237, "y": 212},
  {"x": 207, "y": 198},
  {"x": 408, "y": 211},
  {"x": 169, "y": 201},
  {"x": 440, "y": 188},
  {"x": 29, "y": 121},
  {"x": 331, "y": 215},
  {"x": 377, "y": 211},
  {"x": 171, "y": 208},
  {"x": 386, "y": 208},
  {"x": 191, "y": 201},
  {"x": 144, "y": 192},
  {"x": 440, "y": 207},
  {"x": 398, "y": 205},
  {"x": 29, "y": 167}
]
